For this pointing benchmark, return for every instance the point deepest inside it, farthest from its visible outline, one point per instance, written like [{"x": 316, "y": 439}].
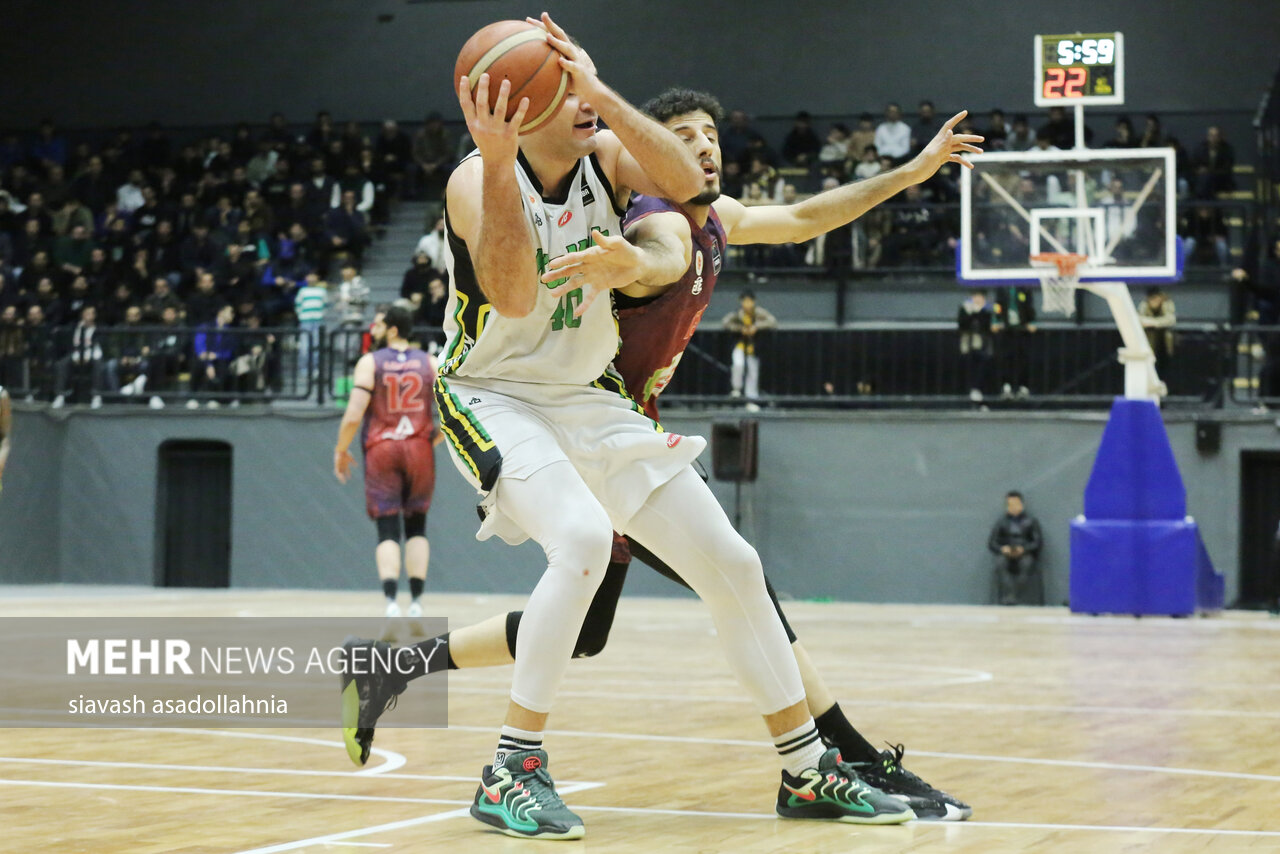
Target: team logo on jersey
[
  {"x": 673, "y": 439},
  {"x": 715, "y": 257},
  {"x": 564, "y": 219},
  {"x": 533, "y": 200},
  {"x": 588, "y": 197},
  {"x": 697, "y": 263}
]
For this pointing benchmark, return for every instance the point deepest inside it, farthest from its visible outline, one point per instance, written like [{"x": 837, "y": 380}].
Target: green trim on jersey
[
  {"x": 612, "y": 381},
  {"x": 464, "y": 431}
]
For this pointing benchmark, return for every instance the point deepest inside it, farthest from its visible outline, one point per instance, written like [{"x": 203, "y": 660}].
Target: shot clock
[{"x": 1081, "y": 68}]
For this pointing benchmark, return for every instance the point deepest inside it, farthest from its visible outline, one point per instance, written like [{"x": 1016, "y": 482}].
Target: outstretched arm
[
  {"x": 361, "y": 394},
  {"x": 825, "y": 211},
  {"x": 653, "y": 255},
  {"x": 636, "y": 153},
  {"x": 483, "y": 202}
]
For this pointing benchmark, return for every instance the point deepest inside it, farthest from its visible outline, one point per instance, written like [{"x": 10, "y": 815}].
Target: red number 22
[{"x": 1065, "y": 82}]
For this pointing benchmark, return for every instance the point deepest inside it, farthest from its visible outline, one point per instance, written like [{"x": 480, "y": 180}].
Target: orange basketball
[{"x": 518, "y": 51}]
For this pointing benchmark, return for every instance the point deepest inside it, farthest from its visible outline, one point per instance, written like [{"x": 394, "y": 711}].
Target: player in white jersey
[{"x": 539, "y": 423}]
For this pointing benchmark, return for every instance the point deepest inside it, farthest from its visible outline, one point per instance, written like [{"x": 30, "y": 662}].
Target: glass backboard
[{"x": 1116, "y": 206}]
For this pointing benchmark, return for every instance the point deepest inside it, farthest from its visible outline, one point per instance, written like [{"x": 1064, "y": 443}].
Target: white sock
[
  {"x": 515, "y": 740},
  {"x": 800, "y": 748}
]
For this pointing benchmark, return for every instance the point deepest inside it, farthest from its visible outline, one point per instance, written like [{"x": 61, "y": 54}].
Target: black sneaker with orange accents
[{"x": 832, "y": 792}]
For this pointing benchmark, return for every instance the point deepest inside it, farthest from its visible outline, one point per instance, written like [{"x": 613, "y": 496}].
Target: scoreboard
[{"x": 1080, "y": 68}]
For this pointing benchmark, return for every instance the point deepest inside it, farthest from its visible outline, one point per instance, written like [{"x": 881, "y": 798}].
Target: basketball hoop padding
[{"x": 1135, "y": 551}]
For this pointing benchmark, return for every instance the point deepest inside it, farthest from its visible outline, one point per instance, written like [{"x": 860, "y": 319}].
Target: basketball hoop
[{"x": 1058, "y": 283}]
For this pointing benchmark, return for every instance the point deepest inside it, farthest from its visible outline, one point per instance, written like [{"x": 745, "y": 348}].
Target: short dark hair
[
  {"x": 1013, "y": 493},
  {"x": 747, "y": 294},
  {"x": 677, "y": 101},
  {"x": 400, "y": 318}
]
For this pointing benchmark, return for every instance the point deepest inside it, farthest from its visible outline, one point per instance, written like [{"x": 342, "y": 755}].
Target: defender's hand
[
  {"x": 497, "y": 138},
  {"x": 611, "y": 263},
  {"x": 946, "y": 147}
]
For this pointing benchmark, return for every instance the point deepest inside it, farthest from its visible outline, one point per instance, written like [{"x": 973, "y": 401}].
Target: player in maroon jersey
[
  {"x": 398, "y": 435},
  {"x": 655, "y": 324}
]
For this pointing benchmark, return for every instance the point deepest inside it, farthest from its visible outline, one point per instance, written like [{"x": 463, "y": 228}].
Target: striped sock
[
  {"x": 513, "y": 740},
  {"x": 801, "y": 748}
]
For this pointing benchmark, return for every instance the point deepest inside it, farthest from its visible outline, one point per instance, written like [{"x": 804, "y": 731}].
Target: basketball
[{"x": 518, "y": 51}]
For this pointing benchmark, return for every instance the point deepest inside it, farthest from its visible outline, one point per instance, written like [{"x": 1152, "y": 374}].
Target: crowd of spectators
[{"x": 221, "y": 232}]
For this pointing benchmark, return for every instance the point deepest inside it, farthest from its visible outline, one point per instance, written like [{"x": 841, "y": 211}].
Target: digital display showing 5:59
[{"x": 1080, "y": 68}]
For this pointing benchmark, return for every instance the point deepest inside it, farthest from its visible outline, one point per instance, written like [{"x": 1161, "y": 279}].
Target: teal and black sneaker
[
  {"x": 519, "y": 798},
  {"x": 368, "y": 690},
  {"x": 831, "y": 792},
  {"x": 928, "y": 803}
]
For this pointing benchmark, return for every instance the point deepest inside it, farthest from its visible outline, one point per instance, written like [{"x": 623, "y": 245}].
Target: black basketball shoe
[
  {"x": 928, "y": 803},
  {"x": 367, "y": 691}
]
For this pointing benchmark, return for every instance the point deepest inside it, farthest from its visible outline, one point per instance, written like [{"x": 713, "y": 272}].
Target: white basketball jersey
[{"x": 548, "y": 345}]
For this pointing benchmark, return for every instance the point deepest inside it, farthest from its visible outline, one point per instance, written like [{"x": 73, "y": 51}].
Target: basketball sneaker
[
  {"x": 832, "y": 792},
  {"x": 366, "y": 694},
  {"x": 928, "y": 803},
  {"x": 519, "y": 798}
]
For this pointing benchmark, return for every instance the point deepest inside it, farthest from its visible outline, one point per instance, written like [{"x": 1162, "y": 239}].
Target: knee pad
[
  {"x": 415, "y": 525},
  {"x": 388, "y": 528}
]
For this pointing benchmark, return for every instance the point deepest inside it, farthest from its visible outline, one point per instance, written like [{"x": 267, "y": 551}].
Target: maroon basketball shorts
[{"x": 399, "y": 477}]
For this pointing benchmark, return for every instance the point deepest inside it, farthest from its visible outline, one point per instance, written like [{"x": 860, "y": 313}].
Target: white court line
[
  {"x": 333, "y": 838},
  {"x": 391, "y": 759},
  {"x": 1071, "y": 763},
  {"x": 248, "y": 793},
  {"x": 290, "y": 846},
  {"x": 224, "y": 769},
  {"x": 916, "y": 704}
]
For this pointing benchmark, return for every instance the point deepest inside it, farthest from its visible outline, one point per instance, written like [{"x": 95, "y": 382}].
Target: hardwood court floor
[{"x": 1065, "y": 733}]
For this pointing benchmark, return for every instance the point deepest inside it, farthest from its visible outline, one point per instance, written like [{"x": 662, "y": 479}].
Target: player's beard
[{"x": 707, "y": 196}]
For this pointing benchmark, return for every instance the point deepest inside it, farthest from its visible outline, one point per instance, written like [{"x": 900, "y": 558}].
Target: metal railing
[
  {"x": 898, "y": 365},
  {"x": 920, "y": 365},
  {"x": 227, "y": 365}
]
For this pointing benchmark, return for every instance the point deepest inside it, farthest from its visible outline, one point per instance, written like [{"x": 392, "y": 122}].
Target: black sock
[
  {"x": 390, "y": 587},
  {"x": 837, "y": 730},
  {"x": 430, "y": 656},
  {"x": 415, "y": 586}
]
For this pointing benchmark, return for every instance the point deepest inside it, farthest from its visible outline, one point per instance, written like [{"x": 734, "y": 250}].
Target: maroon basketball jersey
[
  {"x": 655, "y": 334},
  {"x": 402, "y": 395}
]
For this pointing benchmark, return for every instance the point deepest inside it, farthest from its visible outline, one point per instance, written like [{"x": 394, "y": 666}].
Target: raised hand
[
  {"x": 611, "y": 263},
  {"x": 573, "y": 58},
  {"x": 947, "y": 147},
  {"x": 496, "y": 137}
]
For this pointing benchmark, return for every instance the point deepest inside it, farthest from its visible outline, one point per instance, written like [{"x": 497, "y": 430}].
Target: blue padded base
[{"x": 1141, "y": 567}]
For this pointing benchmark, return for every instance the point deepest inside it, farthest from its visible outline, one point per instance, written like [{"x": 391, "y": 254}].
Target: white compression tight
[
  {"x": 557, "y": 510},
  {"x": 685, "y": 527}
]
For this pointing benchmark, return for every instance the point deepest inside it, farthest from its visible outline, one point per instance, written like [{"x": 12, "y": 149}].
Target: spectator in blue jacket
[{"x": 214, "y": 347}]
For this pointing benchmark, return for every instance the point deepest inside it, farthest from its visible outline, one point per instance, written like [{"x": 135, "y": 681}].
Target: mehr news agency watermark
[{"x": 210, "y": 671}]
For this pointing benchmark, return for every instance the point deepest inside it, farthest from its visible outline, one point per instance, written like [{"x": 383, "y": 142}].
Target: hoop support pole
[{"x": 1140, "y": 379}]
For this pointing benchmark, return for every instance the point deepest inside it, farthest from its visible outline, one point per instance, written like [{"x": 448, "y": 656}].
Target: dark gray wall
[
  {"x": 854, "y": 506},
  {"x": 108, "y": 62},
  {"x": 30, "y": 504}
]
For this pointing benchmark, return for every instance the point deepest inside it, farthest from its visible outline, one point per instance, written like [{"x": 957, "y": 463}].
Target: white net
[
  {"x": 1059, "y": 281},
  {"x": 1058, "y": 293}
]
